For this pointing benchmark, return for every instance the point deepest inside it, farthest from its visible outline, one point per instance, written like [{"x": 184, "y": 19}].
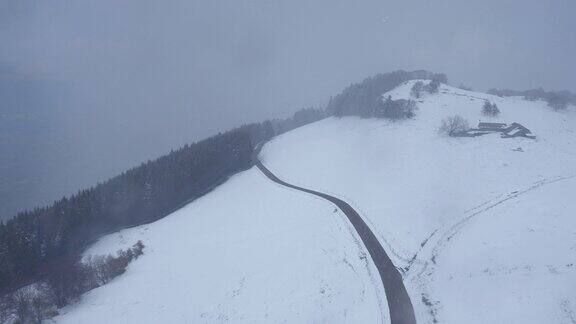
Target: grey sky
[{"x": 138, "y": 77}]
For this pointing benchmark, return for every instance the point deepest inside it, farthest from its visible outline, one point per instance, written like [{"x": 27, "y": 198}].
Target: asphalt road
[{"x": 399, "y": 304}]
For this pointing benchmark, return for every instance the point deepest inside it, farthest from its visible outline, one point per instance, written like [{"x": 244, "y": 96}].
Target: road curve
[{"x": 399, "y": 304}]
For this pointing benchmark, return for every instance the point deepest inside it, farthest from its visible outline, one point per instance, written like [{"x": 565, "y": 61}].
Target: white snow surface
[
  {"x": 251, "y": 251},
  {"x": 485, "y": 226}
]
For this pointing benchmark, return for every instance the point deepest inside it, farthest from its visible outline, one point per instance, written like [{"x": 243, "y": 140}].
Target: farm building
[
  {"x": 491, "y": 126},
  {"x": 515, "y": 130},
  {"x": 505, "y": 130}
]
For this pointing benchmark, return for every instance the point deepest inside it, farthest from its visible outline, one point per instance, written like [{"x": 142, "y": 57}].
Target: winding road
[{"x": 399, "y": 304}]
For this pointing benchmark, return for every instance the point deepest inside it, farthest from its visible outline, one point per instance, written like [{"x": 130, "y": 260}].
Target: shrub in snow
[
  {"x": 453, "y": 126},
  {"x": 396, "y": 109},
  {"x": 21, "y": 301},
  {"x": 417, "y": 88},
  {"x": 101, "y": 269},
  {"x": 63, "y": 285},
  {"x": 490, "y": 109},
  {"x": 30, "y": 304},
  {"x": 41, "y": 303}
]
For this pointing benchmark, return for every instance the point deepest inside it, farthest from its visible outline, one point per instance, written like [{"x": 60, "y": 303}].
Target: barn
[
  {"x": 516, "y": 130},
  {"x": 505, "y": 130},
  {"x": 491, "y": 127}
]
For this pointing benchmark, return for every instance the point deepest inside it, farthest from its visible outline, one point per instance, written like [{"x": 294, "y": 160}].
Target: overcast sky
[
  {"x": 138, "y": 77},
  {"x": 211, "y": 63}
]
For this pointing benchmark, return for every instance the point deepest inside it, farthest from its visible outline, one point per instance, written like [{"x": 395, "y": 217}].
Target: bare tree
[
  {"x": 30, "y": 304},
  {"x": 91, "y": 279},
  {"x": 22, "y": 303},
  {"x": 453, "y": 126},
  {"x": 108, "y": 267},
  {"x": 33, "y": 304},
  {"x": 99, "y": 269},
  {"x": 39, "y": 301},
  {"x": 42, "y": 300},
  {"x": 102, "y": 268}
]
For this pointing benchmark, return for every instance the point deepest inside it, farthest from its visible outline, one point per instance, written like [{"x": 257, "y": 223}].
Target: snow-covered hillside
[
  {"x": 249, "y": 252},
  {"x": 484, "y": 226}
]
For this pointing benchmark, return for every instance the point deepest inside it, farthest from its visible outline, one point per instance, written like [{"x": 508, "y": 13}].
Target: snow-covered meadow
[
  {"x": 484, "y": 226},
  {"x": 250, "y": 251}
]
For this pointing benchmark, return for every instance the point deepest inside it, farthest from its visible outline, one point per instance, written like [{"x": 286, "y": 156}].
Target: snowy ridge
[{"x": 424, "y": 194}]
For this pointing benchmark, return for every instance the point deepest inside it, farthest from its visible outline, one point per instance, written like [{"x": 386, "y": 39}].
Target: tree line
[
  {"x": 36, "y": 243},
  {"x": 557, "y": 100},
  {"x": 41, "y": 300},
  {"x": 364, "y": 99}
]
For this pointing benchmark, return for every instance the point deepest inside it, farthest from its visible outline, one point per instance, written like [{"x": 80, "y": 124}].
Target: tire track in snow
[
  {"x": 441, "y": 236},
  {"x": 399, "y": 304},
  {"x": 452, "y": 230}
]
